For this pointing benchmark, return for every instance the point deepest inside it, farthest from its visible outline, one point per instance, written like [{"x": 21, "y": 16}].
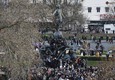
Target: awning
[
  {"x": 95, "y": 24},
  {"x": 103, "y": 22}
]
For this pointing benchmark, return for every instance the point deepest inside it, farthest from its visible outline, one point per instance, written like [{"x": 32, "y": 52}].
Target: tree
[
  {"x": 18, "y": 30},
  {"x": 106, "y": 70},
  {"x": 16, "y": 38},
  {"x": 71, "y": 11},
  {"x": 13, "y": 13}
]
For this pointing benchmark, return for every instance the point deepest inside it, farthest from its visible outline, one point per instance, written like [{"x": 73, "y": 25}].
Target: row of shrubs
[{"x": 94, "y": 58}]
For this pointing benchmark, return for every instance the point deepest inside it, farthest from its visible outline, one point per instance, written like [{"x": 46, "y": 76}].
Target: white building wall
[
  {"x": 109, "y": 28},
  {"x": 37, "y": 1},
  {"x": 94, "y": 15}
]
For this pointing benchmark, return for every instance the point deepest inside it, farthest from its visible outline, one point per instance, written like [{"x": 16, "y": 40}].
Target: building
[{"x": 99, "y": 13}]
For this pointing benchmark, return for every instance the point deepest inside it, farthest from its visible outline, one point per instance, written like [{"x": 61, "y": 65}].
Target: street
[{"x": 106, "y": 45}]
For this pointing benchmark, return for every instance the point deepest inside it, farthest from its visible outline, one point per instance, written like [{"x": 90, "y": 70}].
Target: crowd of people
[
  {"x": 61, "y": 62},
  {"x": 67, "y": 73},
  {"x": 84, "y": 45}
]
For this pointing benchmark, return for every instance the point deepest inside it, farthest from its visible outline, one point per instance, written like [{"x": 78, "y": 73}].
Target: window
[
  {"x": 98, "y": 9},
  {"x": 106, "y": 9},
  {"x": 108, "y": 29},
  {"x": 89, "y": 9}
]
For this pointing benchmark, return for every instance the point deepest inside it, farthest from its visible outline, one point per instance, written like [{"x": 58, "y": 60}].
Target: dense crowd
[
  {"x": 67, "y": 73},
  {"x": 61, "y": 62}
]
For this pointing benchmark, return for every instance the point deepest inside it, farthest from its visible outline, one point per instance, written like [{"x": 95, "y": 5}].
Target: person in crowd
[
  {"x": 97, "y": 54},
  {"x": 108, "y": 54},
  {"x": 101, "y": 48},
  {"x": 94, "y": 38},
  {"x": 96, "y": 47},
  {"x": 113, "y": 31},
  {"x": 110, "y": 40},
  {"x": 91, "y": 37},
  {"x": 107, "y": 38},
  {"x": 89, "y": 45},
  {"x": 106, "y": 32},
  {"x": 77, "y": 42},
  {"x": 99, "y": 39}
]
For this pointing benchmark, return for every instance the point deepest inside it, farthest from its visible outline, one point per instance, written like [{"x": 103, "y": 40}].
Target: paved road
[{"x": 106, "y": 45}]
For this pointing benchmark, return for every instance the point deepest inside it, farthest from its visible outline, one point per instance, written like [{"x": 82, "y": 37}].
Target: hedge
[{"x": 93, "y": 58}]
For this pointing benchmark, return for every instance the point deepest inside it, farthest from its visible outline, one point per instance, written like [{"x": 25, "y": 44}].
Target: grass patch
[
  {"x": 104, "y": 52},
  {"x": 93, "y": 58},
  {"x": 92, "y": 63}
]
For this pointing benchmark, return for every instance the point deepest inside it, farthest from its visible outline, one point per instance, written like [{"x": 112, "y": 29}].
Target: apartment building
[{"x": 99, "y": 12}]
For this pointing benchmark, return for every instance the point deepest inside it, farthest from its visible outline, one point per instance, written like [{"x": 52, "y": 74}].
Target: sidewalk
[
  {"x": 92, "y": 56},
  {"x": 102, "y": 41}
]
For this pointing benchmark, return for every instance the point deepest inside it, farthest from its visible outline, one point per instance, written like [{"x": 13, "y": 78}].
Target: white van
[{"x": 109, "y": 28}]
